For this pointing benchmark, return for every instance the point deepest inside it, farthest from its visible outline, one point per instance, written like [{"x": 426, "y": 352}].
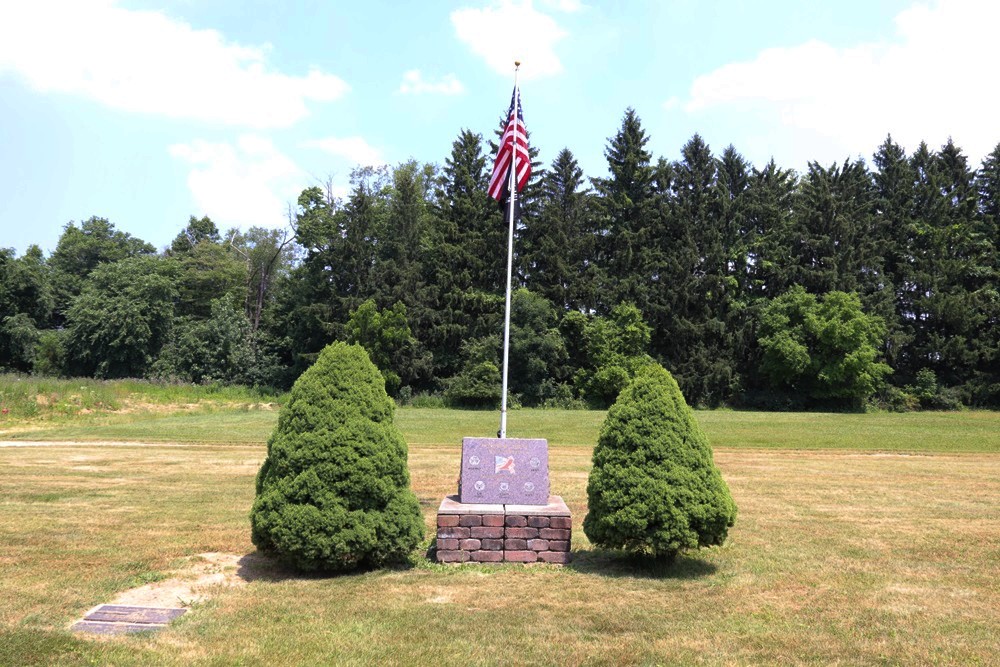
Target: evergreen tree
[
  {"x": 334, "y": 492},
  {"x": 950, "y": 291},
  {"x": 654, "y": 488},
  {"x": 624, "y": 203},
  {"x": 830, "y": 239},
  {"x": 769, "y": 208},
  {"x": 894, "y": 226},
  {"x": 558, "y": 246},
  {"x": 466, "y": 263},
  {"x": 693, "y": 334},
  {"x": 985, "y": 385}
]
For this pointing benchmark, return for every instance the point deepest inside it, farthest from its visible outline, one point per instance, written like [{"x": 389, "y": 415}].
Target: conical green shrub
[
  {"x": 334, "y": 492},
  {"x": 654, "y": 487}
]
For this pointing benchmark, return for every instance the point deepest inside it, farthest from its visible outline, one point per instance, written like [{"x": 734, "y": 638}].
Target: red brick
[
  {"x": 491, "y": 532},
  {"x": 554, "y": 557},
  {"x": 558, "y": 545},
  {"x": 487, "y": 556},
  {"x": 452, "y": 556},
  {"x": 515, "y": 545},
  {"x": 493, "y": 519},
  {"x": 520, "y": 556},
  {"x": 471, "y": 520},
  {"x": 560, "y": 522},
  {"x": 455, "y": 532},
  {"x": 538, "y": 545},
  {"x": 471, "y": 545},
  {"x": 492, "y": 545},
  {"x": 538, "y": 521},
  {"x": 521, "y": 533},
  {"x": 553, "y": 534},
  {"x": 449, "y": 544},
  {"x": 516, "y": 521},
  {"x": 447, "y": 520}
]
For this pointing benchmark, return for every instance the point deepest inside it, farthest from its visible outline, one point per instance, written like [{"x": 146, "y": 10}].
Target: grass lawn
[{"x": 861, "y": 539}]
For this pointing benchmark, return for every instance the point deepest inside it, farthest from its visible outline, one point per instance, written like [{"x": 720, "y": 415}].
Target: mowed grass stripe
[{"x": 967, "y": 431}]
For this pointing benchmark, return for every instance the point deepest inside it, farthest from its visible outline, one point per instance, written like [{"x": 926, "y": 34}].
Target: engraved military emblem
[
  {"x": 504, "y": 464},
  {"x": 528, "y": 487},
  {"x": 504, "y": 487},
  {"x": 480, "y": 486},
  {"x": 534, "y": 462},
  {"x": 474, "y": 462}
]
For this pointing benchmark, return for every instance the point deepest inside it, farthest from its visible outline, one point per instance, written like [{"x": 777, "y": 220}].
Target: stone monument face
[{"x": 506, "y": 471}]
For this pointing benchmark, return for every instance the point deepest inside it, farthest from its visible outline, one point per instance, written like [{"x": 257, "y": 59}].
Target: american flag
[{"x": 514, "y": 141}]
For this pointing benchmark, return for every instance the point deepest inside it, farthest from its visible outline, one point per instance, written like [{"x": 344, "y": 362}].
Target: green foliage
[
  {"x": 221, "y": 349},
  {"x": 18, "y": 339},
  {"x": 333, "y": 493},
  {"x": 50, "y": 352},
  {"x": 207, "y": 270},
  {"x": 537, "y": 351},
  {"x": 198, "y": 230},
  {"x": 654, "y": 488},
  {"x": 25, "y": 286},
  {"x": 613, "y": 350},
  {"x": 825, "y": 349},
  {"x": 479, "y": 384},
  {"x": 557, "y": 247},
  {"x": 121, "y": 319},
  {"x": 390, "y": 345},
  {"x": 81, "y": 249}
]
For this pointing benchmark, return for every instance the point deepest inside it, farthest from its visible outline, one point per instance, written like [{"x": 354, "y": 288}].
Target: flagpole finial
[{"x": 517, "y": 63}]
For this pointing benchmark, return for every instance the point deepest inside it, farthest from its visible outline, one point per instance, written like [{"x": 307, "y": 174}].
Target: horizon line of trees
[{"x": 754, "y": 286}]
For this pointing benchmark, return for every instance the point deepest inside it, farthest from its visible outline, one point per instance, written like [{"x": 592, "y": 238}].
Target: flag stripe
[{"x": 513, "y": 146}]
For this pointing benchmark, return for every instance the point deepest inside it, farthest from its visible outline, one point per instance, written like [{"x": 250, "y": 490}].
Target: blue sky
[{"x": 146, "y": 112}]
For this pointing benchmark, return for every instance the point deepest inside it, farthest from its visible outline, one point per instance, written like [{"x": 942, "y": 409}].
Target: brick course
[{"x": 487, "y": 534}]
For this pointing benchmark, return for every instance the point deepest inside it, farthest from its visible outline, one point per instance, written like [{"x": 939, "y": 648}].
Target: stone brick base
[{"x": 468, "y": 532}]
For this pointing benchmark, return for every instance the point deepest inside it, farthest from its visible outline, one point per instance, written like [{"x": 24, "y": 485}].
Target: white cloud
[
  {"x": 930, "y": 81},
  {"x": 507, "y": 31},
  {"x": 414, "y": 84},
  {"x": 147, "y": 62},
  {"x": 355, "y": 150},
  {"x": 250, "y": 183},
  {"x": 568, "y": 6}
]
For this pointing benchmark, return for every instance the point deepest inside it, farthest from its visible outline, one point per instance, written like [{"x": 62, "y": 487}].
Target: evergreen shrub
[
  {"x": 654, "y": 488},
  {"x": 334, "y": 492}
]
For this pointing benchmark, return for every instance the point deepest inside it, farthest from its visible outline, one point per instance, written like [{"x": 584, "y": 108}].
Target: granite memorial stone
[{"x": 506, "y": 471}]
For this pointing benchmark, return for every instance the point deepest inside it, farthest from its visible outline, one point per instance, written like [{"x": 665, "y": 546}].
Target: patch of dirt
[{"x": 195, "y": 581}]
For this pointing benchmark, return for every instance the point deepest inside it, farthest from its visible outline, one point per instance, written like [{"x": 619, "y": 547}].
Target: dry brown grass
[{"x": 837, "y": 558}]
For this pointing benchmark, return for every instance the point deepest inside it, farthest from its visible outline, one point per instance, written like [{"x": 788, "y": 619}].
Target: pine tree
[
  {"x": 986, "y": 379},
  {"x": 654, "y": 488},
  {"x": 625, "y": 200},
  {"x": 950, "y": 290},
  {"x": 693, "y": 333},
  {"x": 769, "y": 218},
  {"x": 466, "y": 264},
  {"x": 558, "y": 246},
  {"x": 334, "y": 492}
]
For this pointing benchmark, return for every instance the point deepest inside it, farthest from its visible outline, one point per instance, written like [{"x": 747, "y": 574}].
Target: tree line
[{"x": 755, "y": 286}]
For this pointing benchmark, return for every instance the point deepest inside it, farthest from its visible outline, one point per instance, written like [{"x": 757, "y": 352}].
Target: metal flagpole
[{"x": 502, "y": 433}]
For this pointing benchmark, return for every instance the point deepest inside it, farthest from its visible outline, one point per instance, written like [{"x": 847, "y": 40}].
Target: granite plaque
[
  {"x": 129, "y": 614},
  {"x": 504, "y": 471}
]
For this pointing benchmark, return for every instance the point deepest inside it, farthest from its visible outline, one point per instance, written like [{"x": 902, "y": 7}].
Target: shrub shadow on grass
[
  {"x": 260, "y": 566},
  {"x": 620, "y": 564}
]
